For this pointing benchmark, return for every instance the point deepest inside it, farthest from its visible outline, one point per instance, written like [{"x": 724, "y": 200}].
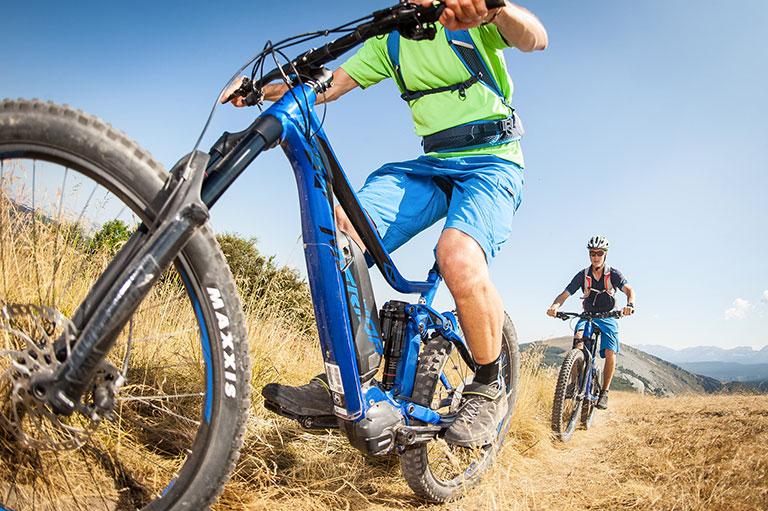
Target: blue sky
[{"x": 646, "y": 122}]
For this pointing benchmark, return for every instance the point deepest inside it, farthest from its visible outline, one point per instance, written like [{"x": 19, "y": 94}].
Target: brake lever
[{"x": 422, "y": 26}]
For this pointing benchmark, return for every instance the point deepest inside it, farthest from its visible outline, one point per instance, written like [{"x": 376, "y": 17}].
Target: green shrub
[{"x": 266, "y": 287}]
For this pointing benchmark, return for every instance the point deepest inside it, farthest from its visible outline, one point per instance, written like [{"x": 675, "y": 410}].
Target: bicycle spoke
[
  {"x": 12, "y": 487},
  {"x": 161, "y": 397},
  {"x": 51, "y": 293},
  {"x": 66, "y": 480},
  {"x": 2, "y": 226},
  {"x": 34, "y": 493},
  {"x": 93, "y": 479},
  {"x": 78, "y": 273},
  {"x": 34, "y": 232},
  {"x": 180, "y": 296},
  {"x": 167, "y": 336}
]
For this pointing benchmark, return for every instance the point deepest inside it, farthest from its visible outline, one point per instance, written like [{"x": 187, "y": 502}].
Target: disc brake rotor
[{"x": 37, "y": 340}]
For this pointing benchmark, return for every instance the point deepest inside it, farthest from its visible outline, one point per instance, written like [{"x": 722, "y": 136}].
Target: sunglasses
[{"x": 596, "y": 253}]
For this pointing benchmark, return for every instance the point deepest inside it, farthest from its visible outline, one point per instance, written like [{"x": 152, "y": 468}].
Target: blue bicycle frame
[{"x": 319, "y": 177}]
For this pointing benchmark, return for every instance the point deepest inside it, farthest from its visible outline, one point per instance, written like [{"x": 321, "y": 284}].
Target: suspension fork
[{"x": 111, "y": 303}]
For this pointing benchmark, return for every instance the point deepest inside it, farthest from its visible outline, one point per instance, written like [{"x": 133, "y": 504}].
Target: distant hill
[
  {"x": 637, "y": 371},
  {"x": 729, "y": 371},
  {"x": 739, "y": 355},
  {"x": 739, "y": 364}
]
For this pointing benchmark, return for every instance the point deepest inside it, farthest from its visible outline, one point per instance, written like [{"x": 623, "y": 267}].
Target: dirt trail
[{"x": 685, "y": 453}]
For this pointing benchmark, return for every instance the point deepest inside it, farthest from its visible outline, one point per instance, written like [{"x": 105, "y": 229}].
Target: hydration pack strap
[
  {"x": 606, "y": 281},
  {"x": 462, "y": 44},
  {"x": 393, "y": 48}
]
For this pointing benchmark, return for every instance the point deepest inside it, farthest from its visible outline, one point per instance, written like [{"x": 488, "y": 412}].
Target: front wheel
[
  {"x": 588, "y": 409},
  {"x": 567, "y": 404},
  {"x": 163, "y": 420},
  {"x": 438, "y": 471}
]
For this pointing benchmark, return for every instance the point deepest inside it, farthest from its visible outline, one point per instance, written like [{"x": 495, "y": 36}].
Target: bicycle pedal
[{"x": 311, "y": 422}]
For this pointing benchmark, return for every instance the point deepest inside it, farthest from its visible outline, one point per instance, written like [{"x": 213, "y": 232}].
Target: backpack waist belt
[{"x": 475, "y": 134}]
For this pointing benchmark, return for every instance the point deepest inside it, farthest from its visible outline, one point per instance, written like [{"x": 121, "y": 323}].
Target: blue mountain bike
[
  {"x": 124, "y": 370},
  {"x": 580, "y": 381}
]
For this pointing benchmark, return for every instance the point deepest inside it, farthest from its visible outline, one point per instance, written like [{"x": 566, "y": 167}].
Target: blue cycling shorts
[
  {"x": 609, "y": 337},
  {"x": 402, "y": 199}
]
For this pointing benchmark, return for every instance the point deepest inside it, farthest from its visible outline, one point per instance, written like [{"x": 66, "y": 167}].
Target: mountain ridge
[{"x": 695, "y": 354}]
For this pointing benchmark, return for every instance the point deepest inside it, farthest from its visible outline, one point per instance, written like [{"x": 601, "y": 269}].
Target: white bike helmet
[{"x": 598, "y": 242}]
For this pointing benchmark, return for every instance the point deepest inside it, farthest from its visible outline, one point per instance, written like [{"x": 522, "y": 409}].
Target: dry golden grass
[{"x": 686, "y": 453}]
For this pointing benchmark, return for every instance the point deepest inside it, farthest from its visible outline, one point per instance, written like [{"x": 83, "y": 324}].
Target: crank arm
[{"x": 412, "y": 435}]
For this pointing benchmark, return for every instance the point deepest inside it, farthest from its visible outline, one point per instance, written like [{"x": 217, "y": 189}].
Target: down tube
[{"x": 322, "y": 256}]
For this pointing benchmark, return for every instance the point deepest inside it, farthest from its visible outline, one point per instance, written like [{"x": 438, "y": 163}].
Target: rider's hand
[
  {"x": 460, "y": 14},
  {"x": 552, "y": 310},
  {"x": 271, "y": 92},
  {"x": 628, "y": 310},
  {"x": 238, "y": 101}
]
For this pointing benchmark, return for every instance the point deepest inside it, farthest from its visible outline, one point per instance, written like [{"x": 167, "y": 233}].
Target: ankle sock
[{"x": 488, "y": 373}]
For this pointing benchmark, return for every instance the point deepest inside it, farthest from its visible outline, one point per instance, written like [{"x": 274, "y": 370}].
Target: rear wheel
[
  {"x": 567, "y": 405},
  {"x": 163, "y": 421},
  {"x": 438, "y": 471}
]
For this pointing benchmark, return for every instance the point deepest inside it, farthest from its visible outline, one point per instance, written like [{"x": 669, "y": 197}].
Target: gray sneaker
[
  {"x": 602, "y": 403},
  {"x": 481, "y": 410}
]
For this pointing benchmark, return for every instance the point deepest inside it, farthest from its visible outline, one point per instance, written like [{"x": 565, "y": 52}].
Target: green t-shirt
[{"x": 431, "y": 64}]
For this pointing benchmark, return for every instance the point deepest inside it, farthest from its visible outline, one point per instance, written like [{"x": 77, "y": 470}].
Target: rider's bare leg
[
  {"x": 343, "y": 224},
  {"x": 480, "y": 309},
  {"x": 465, "y": 271},
  {"x": 610, "y": 365},
  {"x": 481, "y": 314}
]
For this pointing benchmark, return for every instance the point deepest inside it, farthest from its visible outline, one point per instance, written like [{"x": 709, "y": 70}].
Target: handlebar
[
  {"x": 411, "y": 20},
  {"x": 588, "y": 315}
]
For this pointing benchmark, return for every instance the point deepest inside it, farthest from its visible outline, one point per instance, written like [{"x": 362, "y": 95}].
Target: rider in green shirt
[{"x": 471, "y": 175}]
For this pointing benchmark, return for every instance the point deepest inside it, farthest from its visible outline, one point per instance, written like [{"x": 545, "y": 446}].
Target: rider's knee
[
  {"x": 462, "y": 262},
  {"x": 578, "y": 339}
]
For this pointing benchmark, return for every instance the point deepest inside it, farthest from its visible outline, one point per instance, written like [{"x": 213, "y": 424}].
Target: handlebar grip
[{"x": 493, "y": 4}]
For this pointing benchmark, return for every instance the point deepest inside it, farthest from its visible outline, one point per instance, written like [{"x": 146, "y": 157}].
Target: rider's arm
[
  {"x": 520, "y": 28},
  {"x": 570, "y": 289},
  {"x": 342, "y": 83},
  {"x": 559, "y": 301},
  {"x": 627, "y": 290},
  {"x": 517, "y": 25}
]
